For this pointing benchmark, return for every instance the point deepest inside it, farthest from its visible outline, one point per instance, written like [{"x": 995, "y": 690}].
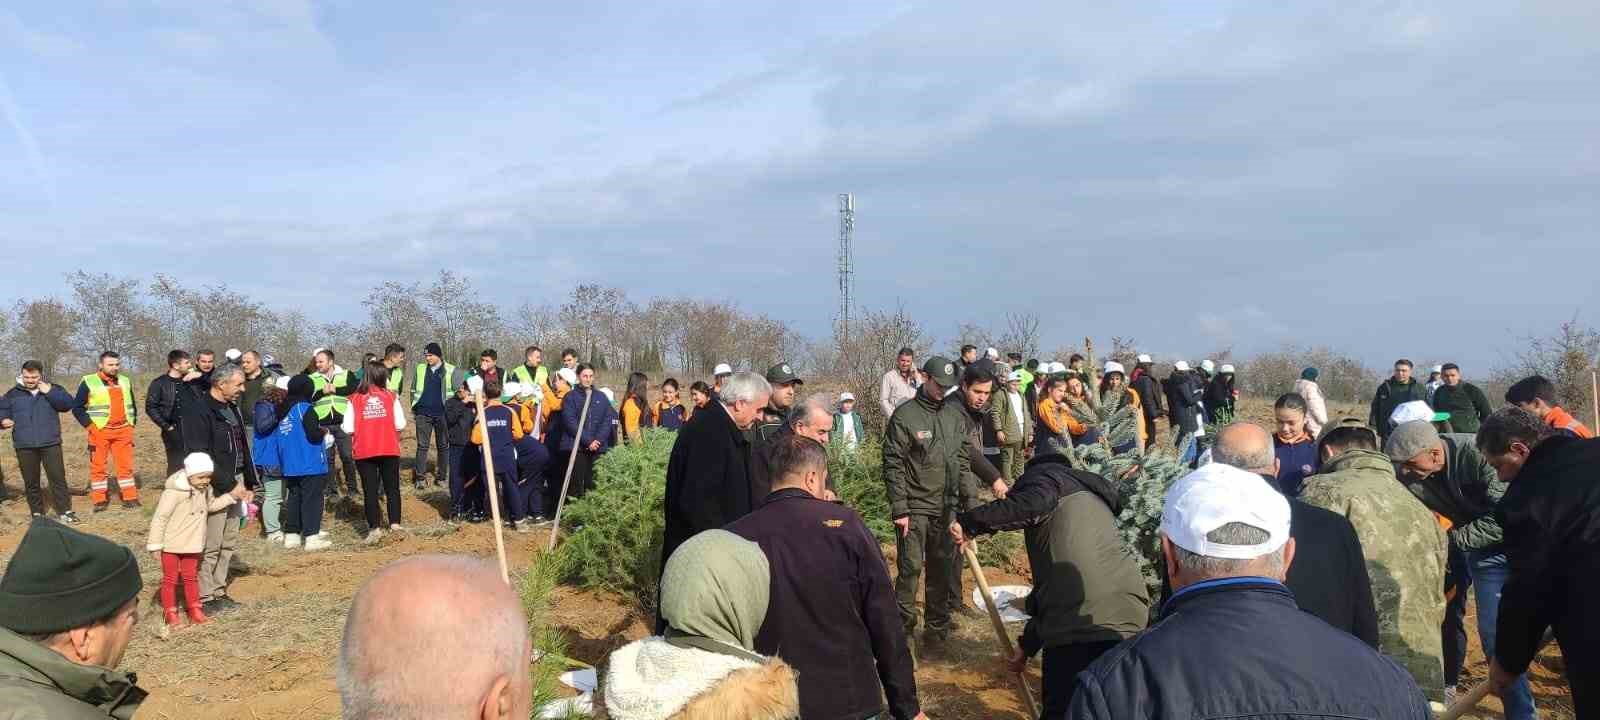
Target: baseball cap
[
  {"x": 722, "y": 369},
  {"x": 1208, "y": 366},
  {"x": 846, "y": 397},
  {"x": 511, "y": 389},
  {"x": 1410, "y": 440},
  {"x": 610, "y": 396},
  {"x": 1114, "y": 367},
  {"x": 940, "y": 371},
  {"x": 1227, "y": 369},
  {"x": 232, "y": 354},
  {"x": 1216, "y": 495},
  {"x": 282, "y": 382},
  {"x": 569, "y": 375},
  {"x": 782, "y": 374},
  {"x": 992, "y": 354},
  {"x": 1144, "y": 359},
  {"x": 1343, "y": 423},
  {"x": 1438, "y": 368},
  {"x": 1416, "y": 410},
  {"x": 1016, "y": 376},
  {"x": 1181, "y": 366}
]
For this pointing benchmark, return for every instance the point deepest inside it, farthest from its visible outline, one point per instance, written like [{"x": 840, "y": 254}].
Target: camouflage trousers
[{"x": 927, "y": 546}]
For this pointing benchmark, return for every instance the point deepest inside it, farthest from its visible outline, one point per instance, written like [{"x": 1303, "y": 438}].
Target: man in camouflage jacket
[{"x": 1405, "y": 548}]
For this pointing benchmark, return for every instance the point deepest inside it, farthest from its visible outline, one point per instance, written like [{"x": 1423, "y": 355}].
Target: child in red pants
[{"x": 178, "y": 533}]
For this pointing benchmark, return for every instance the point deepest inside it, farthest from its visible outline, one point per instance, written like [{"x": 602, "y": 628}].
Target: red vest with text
[{"x": 375, "y": 435}]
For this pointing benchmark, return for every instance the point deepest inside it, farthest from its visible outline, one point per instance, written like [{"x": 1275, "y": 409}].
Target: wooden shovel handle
[{"x": 999, "y": 626}]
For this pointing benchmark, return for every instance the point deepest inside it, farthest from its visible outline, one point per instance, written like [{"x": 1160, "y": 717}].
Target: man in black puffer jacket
[
  {"x": 1231, "y": 642},
  {"x": 1088, "y": 595}
]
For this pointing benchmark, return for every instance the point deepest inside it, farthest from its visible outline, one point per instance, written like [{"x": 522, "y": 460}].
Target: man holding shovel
[{"x": 1088, "y": 595}]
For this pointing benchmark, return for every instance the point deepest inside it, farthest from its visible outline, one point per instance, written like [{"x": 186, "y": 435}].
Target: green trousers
[{"x": 927, "y": 547}]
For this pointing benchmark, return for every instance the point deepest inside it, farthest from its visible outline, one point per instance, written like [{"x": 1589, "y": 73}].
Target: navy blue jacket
[
  {"x": 1240, "y": 648},
  {"x": 37, "y": 415},
  {"x": 598, "y": 426},
  {"x": 832, "y": 615}
]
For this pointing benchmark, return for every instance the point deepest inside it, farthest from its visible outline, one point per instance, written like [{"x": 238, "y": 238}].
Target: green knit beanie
[{"x": 60, "y": 579}]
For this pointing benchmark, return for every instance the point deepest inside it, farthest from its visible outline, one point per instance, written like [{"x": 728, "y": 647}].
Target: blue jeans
[{"x": 1489, "y": 574}]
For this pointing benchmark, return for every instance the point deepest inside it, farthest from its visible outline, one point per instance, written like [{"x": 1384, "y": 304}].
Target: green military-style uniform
[
  {"x": 770, "y": 420},
  {"x": 37, "y": 683},
  {"x": 926, "y": 457},
  {"x": 1405, "y": 551}
]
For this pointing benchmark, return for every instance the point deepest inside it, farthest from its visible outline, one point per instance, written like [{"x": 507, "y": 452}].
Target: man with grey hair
[
  {"x": 1231, "y": 640},
  {"x": 411, "y": 653},
  {"x": 1450, "y": 475},
  {"x": 708, "y": 474},
  {"x": 809, "y": 418},
  {"x": 209, "y": 422},
  {"x": 1331, "y": 580}
]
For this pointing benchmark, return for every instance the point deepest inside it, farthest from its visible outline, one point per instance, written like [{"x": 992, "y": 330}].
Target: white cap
[
  {"x": 1016, "y": 376},
  {"x": 1438, "y": 368},
  {"x": 1227, "y": 368},
  {"x": 1055, "y": 367},
  {"x": 1114, "y": 367},
  {"x": 233, "y": 354},
  {"x": 511, "y": 389},
  {"x": 992, "y": 354},
  {"x": 610, "y": 396},
  {"x": 1208, "y": 366},
  {"x": 1216, "y": 495},
  {"x": 282, "y": 382},
  {"x": 531, "y": 390},
  {"x": 722, "y": 369},
  {"x": 1145, "y": 359},
  {"x": 1181, "y": 366},
  {"x": 475, "y": 384},
  {"x": 846, "y": 397},
  {"x": 1413, "y": 411},
  {"x": 569, "y": 375},
  {"x": 198, "y": 464}
]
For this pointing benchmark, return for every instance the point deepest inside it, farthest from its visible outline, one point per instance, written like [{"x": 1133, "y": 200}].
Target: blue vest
[
  {"x": 299, "y": 458},
  {"x": 264, "y": 452},
  {"x": 498, "y": 435}
]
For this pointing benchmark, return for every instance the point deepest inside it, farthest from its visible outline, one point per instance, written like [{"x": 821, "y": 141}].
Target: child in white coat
[{"x": 178, "y": 533}]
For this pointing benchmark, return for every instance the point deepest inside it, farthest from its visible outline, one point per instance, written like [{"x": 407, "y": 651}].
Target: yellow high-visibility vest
[{"x": 99, "y": 405}]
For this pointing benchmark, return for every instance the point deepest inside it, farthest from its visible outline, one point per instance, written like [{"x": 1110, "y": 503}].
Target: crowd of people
[{"x": 1317, "y": 567}]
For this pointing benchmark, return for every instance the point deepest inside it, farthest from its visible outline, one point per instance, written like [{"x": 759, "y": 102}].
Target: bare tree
[
  {"x": 1565, "y": 357},
  {"x": 107, "y": 307},
  {"x": 43, "y": 330},
  {"x": 1021, "y": 334},
  {"x": 972, "y": 334}
]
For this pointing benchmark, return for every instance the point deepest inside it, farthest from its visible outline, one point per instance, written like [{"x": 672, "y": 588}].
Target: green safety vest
[
  {"x": 1027, "y": 381},
  {"x": 99, "y": 405},
  {"x": 328, "y": 404},
  {"x": 417, "y": 382},
  {"x": 397, "y": 377},
  {"x": 521, "y": 375}
]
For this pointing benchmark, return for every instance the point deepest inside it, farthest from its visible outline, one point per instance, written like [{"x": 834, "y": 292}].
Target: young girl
[
  {"x": 374, "y": 424},
  {"x": 1294, "y": 446},
  {"x": 635, "y": 408},
  {"x": 178, "y": 533},
  {"x": 264, "y": 453},
  {"x": 669, "y": 412},
  {"x": 524, "y": 498},
  {"x": 301, "y": 444},
  {"x": 699, "y": 398},
  {"x": 1113, "y": 381},
  {"x": 459, "y": 415}
]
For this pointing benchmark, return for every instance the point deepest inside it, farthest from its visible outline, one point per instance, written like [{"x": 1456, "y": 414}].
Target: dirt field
[{"x": 274, "y": 657}]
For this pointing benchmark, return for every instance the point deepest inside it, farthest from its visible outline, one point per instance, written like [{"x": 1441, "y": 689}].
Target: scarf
[{"x": 714, "y": 594}]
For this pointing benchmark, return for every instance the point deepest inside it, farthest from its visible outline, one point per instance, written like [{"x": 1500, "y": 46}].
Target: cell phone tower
[{"x": 847, "y": 226}]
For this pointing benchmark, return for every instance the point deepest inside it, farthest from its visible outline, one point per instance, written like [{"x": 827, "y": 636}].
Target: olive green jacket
[
  {"x": 1465, "y": 492},
  {"x": 927, "y": 458},
  {"x": 36, "y": 683},
  {"x": 1405, "y": 550}
]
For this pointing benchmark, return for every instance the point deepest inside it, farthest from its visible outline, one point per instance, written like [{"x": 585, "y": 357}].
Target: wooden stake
[
  {"x": 1467, "y": 702},
  {"x": 577, "y": 441},
  {"x": 999, "y": 626},
  {"x": 492, "y": 488},
  {"x": 1594, "y": 389}
]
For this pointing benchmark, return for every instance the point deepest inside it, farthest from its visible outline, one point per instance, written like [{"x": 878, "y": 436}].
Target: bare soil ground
[{"x": 274, "y": 657}]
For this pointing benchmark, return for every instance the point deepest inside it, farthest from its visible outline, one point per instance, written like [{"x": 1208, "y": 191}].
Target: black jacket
[
  {"x": 832, "y": 613},
  {"x": 761, "y": 464},
  {"x": 161, "y": 401},
  {"x": 206, "y": 426},
  {"x": 1329, "y": 574},
  {"x": 1219, "y": 396},
  {"x": 1183, "y": 400},
  {"x": 1239, "y": 648},
  {"x": 1551, "y": 519},
  {"x": 1151, "y": 395},
  {"x": 459, "y": 417},
  {"x": 1087, "y": 585},
  {"x": 708, "y": 478}
]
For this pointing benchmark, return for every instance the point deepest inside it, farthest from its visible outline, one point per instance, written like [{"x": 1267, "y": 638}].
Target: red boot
[
  {"x": 171, "y": 614},
  {"x": 196, "y": 616}
]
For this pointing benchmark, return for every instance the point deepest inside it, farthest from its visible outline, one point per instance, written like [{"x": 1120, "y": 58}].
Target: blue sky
[{"x": 1413, "y": 178}]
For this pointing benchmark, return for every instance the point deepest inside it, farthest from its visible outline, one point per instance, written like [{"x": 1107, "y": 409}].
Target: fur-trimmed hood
[{"x": 654, "y": 680}]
